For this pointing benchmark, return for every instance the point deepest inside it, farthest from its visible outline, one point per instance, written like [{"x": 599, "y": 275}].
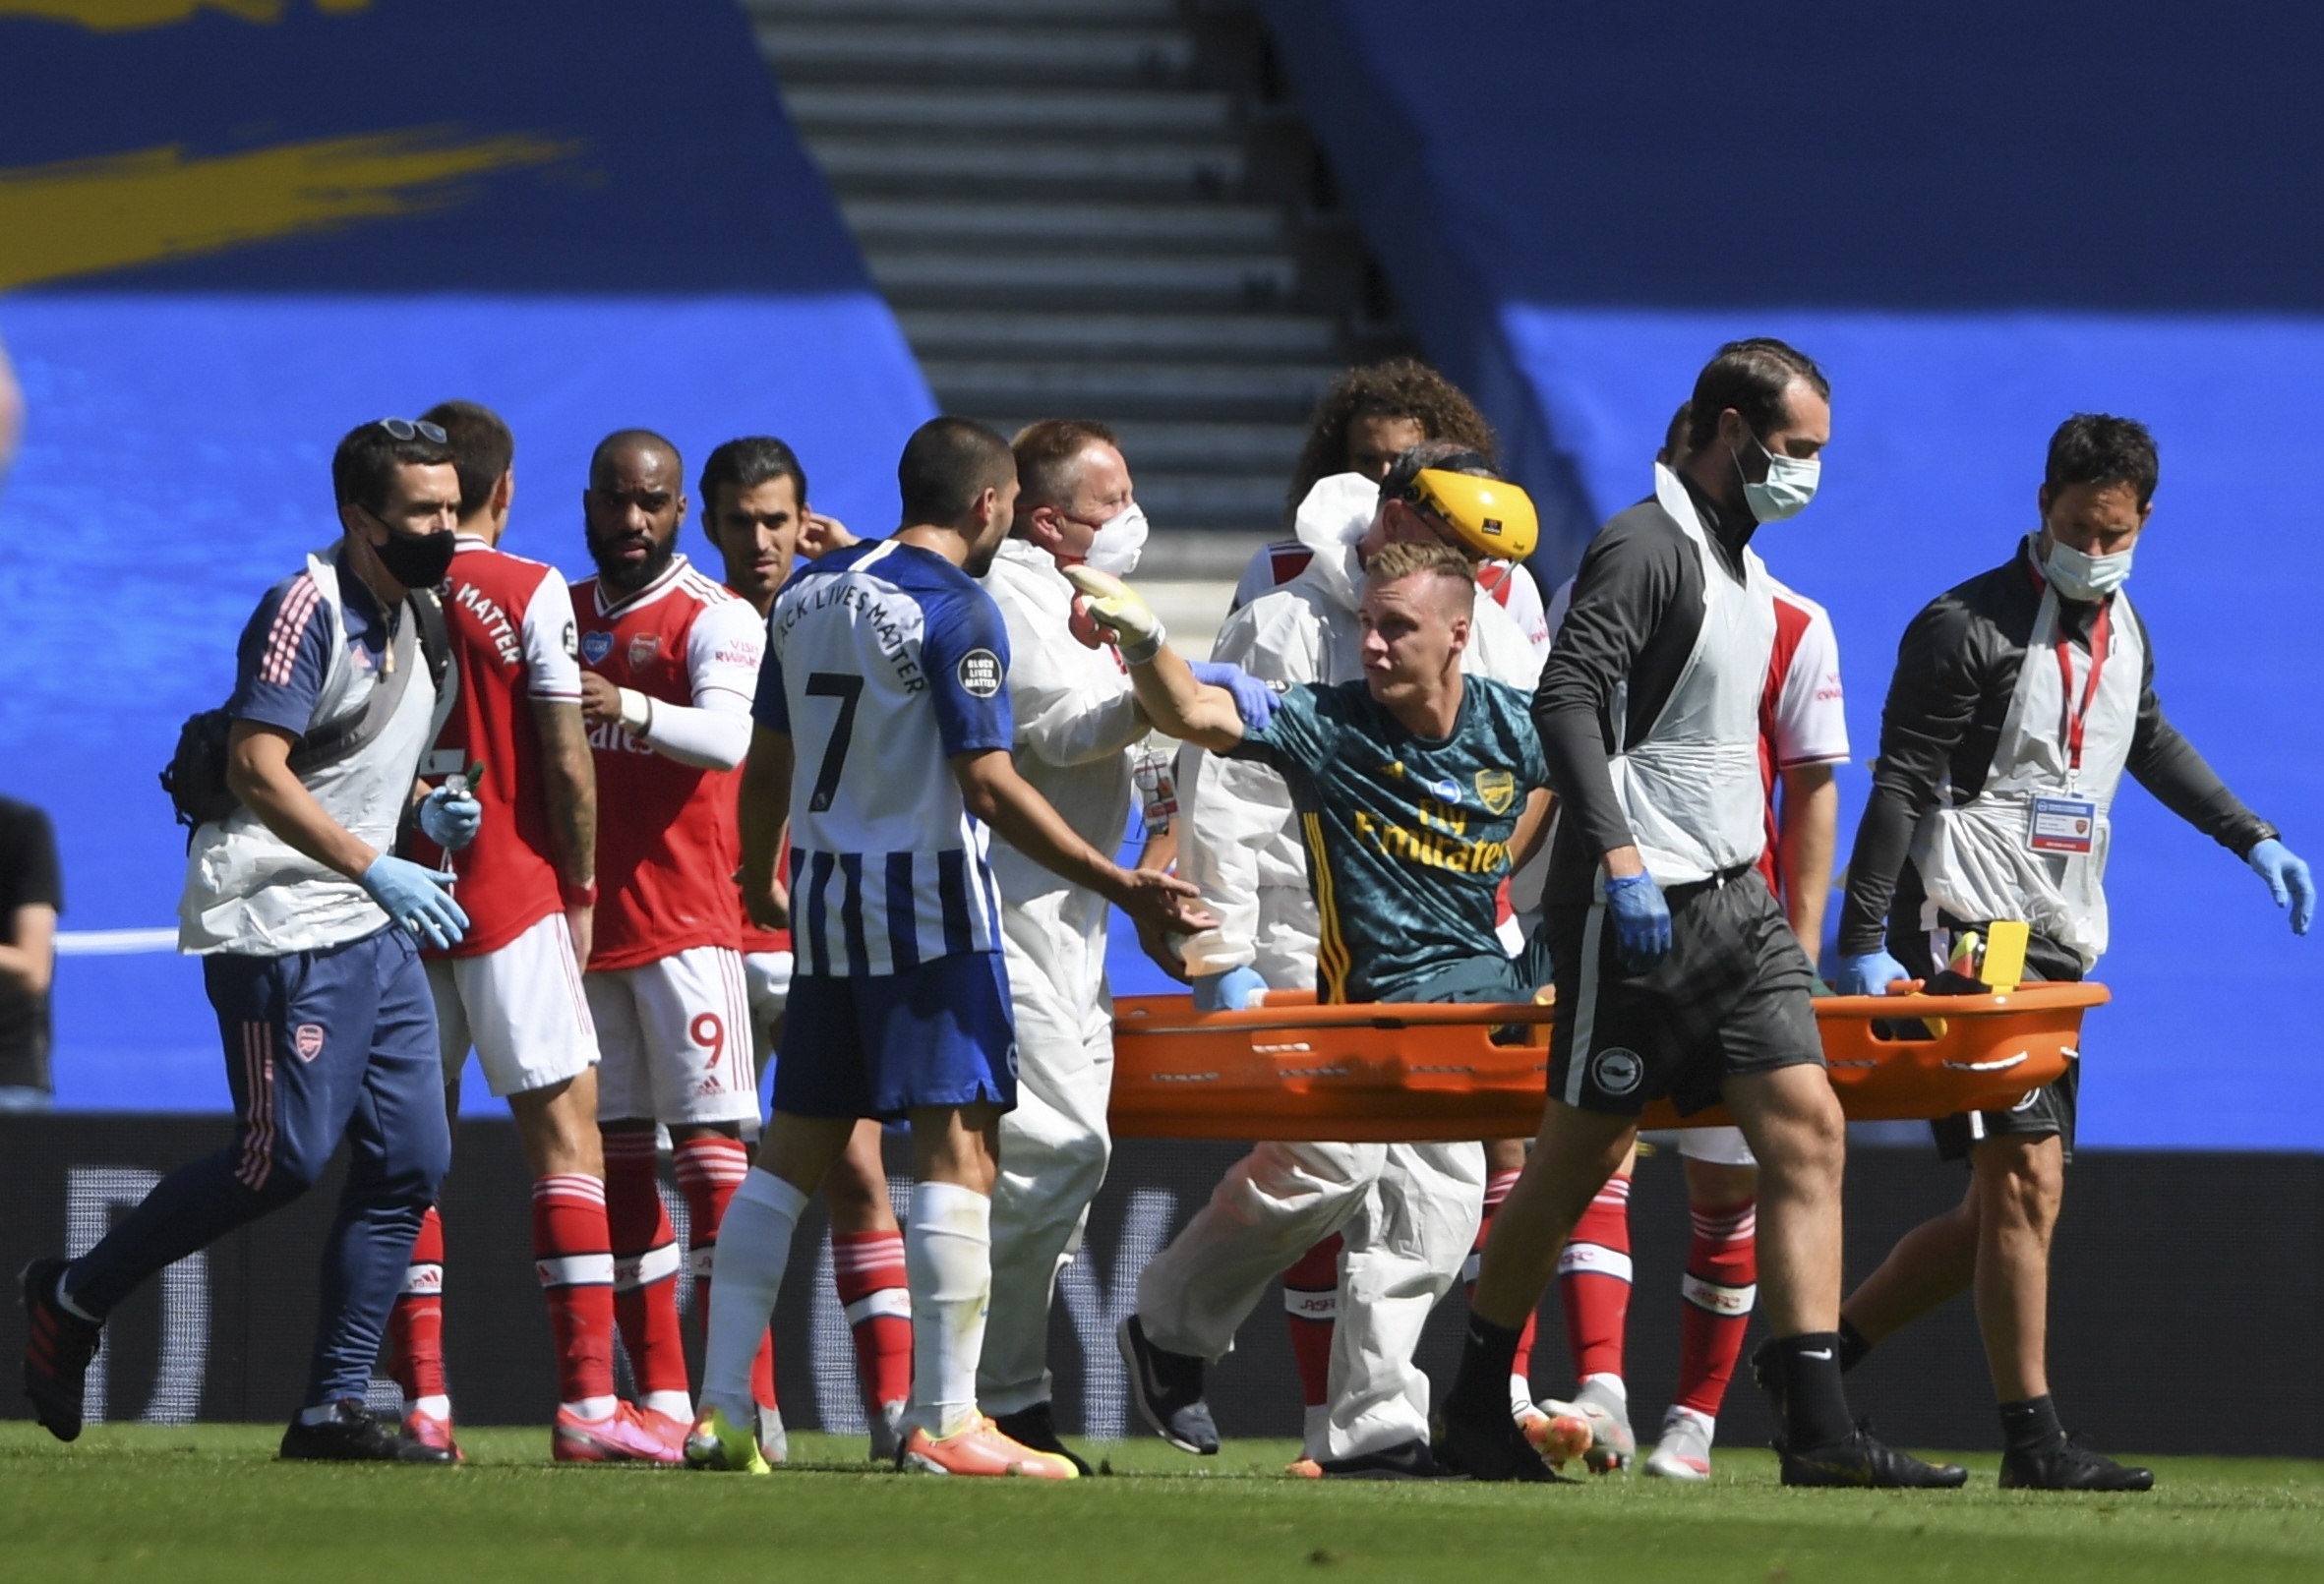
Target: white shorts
[
  {"x": 675, "y": 1037},
  {"x": 766, "y": 975},
  {"x": 521, "y": 1006},
  {"x": 1716, "y": 1147}
]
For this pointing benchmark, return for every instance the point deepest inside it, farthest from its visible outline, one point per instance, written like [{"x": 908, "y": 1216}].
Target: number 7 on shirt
[{"x": 847, "y": 689}]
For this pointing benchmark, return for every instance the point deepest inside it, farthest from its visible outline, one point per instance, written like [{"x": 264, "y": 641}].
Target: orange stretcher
[{"x": 1413, "y": 1072}]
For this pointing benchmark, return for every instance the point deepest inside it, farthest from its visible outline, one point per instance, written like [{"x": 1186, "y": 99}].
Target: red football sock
[
  {"x": 1497, "y": 1186},
  {"x": 645, "y": 1264},
  {"x": 1593, "y": 1280},
  {"x": 1311, "y": 1301},
  {"x": 1722, "y": 1283},
  {"x": 415, "y": 1325},
  {"x": 572, "y": 1253},
  {"x": 710, "y": 1167},
  {"x": 868, "y": 1269}
]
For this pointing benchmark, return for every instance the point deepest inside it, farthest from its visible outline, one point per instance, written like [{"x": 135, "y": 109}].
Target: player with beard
[
  {"x": 670, "y": 662},
  {"x": 755, "y": 512},
  {"x": 512, "y": 986}
]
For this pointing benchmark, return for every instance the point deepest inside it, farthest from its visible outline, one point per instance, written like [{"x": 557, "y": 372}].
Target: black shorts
[
  {"x": 1731, "y": 997},
  {"x": 2049, "y": 1109}
]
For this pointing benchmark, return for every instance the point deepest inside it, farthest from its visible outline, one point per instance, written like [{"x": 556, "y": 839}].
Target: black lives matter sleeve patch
[{"x": 979, "y": 673}]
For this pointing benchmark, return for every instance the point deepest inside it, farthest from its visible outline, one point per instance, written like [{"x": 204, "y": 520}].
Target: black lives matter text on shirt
[{"x": 28, "y": 877}]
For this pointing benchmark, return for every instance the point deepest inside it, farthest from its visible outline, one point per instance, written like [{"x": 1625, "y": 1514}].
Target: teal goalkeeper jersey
[{"x": 1406, "y": 836}]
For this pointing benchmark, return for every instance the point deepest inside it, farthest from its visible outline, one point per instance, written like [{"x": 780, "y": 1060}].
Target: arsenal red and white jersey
[
  {"x": 668, "y": 841},
  {"x": 510, "y": 623},
  {"x": 1803, "y": 719},
  {"x": 754, "y": 939}
]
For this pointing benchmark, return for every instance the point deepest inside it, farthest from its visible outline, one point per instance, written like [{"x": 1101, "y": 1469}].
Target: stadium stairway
[{"x": 1100, "y": 208}]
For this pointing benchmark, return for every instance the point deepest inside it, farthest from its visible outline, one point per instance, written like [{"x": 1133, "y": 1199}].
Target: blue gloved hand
[
  {"x": 415, "y": 898},
  {"x": 1232, "y": 991},
  {"x": 1869, "y": 973},
  {"x": 1641, "y": 920},
  {"x": 1254, "y": 700},
  {"x": 2289, "y": 881},
  {"x": 450, "y": 819}
]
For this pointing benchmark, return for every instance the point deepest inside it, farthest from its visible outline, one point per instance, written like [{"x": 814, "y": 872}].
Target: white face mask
[
  {"x": 2079, "y": 575},
  {"x": 1787, "y": 489},
  {"x": 1119, "y": 541}
]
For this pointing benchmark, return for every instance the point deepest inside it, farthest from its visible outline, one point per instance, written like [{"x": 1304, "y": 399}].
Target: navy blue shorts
[{"x": 879, "y": 1045}]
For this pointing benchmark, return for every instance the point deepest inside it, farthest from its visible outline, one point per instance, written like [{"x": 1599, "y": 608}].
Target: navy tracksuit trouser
[{"x": 322, "y": 1045}]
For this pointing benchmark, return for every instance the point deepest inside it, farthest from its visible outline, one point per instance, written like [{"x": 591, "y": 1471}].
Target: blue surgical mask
[
  {"x": 2077, "y": 574},
  {"x": 1787, "y": 489}
]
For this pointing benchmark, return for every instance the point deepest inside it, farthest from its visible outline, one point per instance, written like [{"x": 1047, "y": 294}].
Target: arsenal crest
[
  {"x": 307, "y": 1040},
  {"x": 642, "y": 649},
  {"x": 1496, "y": 790}
]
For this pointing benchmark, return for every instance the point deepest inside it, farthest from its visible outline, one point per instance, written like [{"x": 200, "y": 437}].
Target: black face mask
[{"x": 417, "y": 561}]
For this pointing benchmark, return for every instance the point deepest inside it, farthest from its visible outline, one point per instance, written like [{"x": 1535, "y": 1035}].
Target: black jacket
[
  {"x": 1635, "y": 618},
  {"x": 1956, "y": 672}
]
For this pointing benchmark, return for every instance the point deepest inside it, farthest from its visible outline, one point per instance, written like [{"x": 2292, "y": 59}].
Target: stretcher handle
[{"x": 1138, "y": 1017}]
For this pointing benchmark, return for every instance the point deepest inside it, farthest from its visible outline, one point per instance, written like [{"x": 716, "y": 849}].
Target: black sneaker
[
  {"x": 58, "y": 1344},
  {"x": 351, "y": 1435},
  {"x": 1407, "y": 1460},
  {"x": 1861, "y": 1458},
  {"x": 1034, "y": 1428},
  {"x": 2066, "y": 1464},
  {"x": 1168, "y": 1389},
  {"x": 1489, "y": 1446}
]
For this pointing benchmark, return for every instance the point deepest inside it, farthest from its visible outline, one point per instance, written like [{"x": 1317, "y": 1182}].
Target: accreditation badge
[{"x": 2062, "y": 825}]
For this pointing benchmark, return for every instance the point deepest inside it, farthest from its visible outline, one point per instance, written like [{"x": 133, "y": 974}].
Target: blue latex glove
[
  {"x": 1232, "y": 991},
  {"x": 2289, "y": 881},
  {"x": 415, "y": 898},
  {"x": 1869, "y": 973},
  {"x": 450, "y": 819},
  {"x": 1642, "y": 921},
  {"x": 1254, "y": 700}
]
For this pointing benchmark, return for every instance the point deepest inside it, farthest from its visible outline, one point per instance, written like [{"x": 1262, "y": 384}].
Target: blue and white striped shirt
[{"x": 884, "y": 661}]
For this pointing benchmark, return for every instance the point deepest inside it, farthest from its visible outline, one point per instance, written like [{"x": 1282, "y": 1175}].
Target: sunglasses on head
[{"x": 404, "y": 429}]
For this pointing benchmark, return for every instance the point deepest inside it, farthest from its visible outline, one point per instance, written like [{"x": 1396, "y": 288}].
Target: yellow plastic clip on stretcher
[{"x": 1415, "y": 1071}]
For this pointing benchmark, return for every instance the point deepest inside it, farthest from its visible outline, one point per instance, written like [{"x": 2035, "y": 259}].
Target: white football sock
[
  {"x": 670, "y": 1405},
  {"x": 591, "y": 1409},
  {"x": 436, "y": 1406},
  {"x": 1709, "y": 1422},
  {"x": 753, "y": 1249},
  {"x": 948, "y": 1262}
]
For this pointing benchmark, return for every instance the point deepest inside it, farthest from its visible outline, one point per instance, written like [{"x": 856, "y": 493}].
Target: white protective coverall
[
  {"x": 1076, "y": 722},
  {"x": 1407, "y": 1212}
]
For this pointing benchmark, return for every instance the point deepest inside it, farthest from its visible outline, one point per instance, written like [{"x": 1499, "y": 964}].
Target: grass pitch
[{"x": 203, "y": 1503}]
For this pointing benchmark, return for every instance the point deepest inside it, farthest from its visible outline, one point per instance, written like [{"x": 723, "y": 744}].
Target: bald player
[{"x": 668, "y": 667}]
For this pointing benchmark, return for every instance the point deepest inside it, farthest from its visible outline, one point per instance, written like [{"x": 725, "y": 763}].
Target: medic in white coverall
[
  {"x": 1079, "y": 728},
  {"x": 1407, "y": 1212}
]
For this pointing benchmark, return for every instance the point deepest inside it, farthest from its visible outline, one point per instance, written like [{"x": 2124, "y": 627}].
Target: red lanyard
[{"x": 2075, "y": 719}]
